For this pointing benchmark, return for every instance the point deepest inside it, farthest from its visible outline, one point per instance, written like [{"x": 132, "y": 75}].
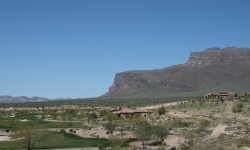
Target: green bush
[
  {"x": 173, "y": 148},
  {"x": 162, "y": 111},
  {"x": 63, "y": 131},
  {"x": 238, "y": 107},
  {"x": 70, "y": 130}
]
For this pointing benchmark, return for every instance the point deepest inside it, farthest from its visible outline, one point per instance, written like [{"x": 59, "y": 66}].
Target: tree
[
  {"x": 110, "y": 117},
  {"x": 30, "y": 135},
  {"x": 161, "y": 110},
  {"x": 53, "y": 114},
  {"x": 121, "y": 124},
  {"x": 143, "y": 133},
  {"x": 135, "y": 121},
  {"x": 190, "y": 138},
  {"x": 92, "y": 116},
  {"x": 116, "y": 144},
  {"x": 103, "y": 112},
  {"x": 160, "y": 132},
  {"x": 110, "y": 126},
  {"x": 14, "y": 123}
]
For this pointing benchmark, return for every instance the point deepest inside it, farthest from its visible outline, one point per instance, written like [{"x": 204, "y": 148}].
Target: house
[
  {"x": 124, "y": 112},
  {"x": 223, "y": 95}
]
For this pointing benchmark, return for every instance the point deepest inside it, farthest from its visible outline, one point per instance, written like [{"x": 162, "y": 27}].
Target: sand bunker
[{"x": 4, "y": 138}]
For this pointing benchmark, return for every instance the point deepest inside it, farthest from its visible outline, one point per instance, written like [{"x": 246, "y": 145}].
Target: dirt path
[
  {"x": 101, "y": 132},
  {"x": 160, "y": 105},
  {"x": 171, "y": 141},
  {"x": 216, "y": 132}
]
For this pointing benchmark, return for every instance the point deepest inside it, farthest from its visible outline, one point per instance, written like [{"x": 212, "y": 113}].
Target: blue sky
[{"x": 74, "y": 48}]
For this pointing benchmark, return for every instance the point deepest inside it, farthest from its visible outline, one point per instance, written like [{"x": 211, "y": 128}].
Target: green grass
[
  {"x": 69, "y": 141},
  {"x": 41, "y": 123},
  {"x": 27, "y": 116}
]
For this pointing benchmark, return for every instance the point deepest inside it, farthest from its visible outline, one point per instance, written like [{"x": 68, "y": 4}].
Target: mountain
[
  {"x": 211, "y": 70},
  {"x": 10, "y": 99}
]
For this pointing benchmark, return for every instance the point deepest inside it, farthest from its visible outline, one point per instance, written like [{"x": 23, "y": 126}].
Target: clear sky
[{"x": 74, "y": 48}]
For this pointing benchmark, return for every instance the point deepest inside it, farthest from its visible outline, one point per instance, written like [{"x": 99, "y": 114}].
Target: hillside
[{"x": 211, "y": 70}]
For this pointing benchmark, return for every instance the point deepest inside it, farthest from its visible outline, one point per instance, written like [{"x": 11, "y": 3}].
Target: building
[
  {"x": 124, "y": 112},
  {"x": 223, "y": 95}
]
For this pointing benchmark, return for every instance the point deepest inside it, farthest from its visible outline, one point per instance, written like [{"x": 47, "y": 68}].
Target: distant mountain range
[
  {"x": 20, "y": 99},
  {"x": 10, "y": 99},
  {"x": 211, "y": 70}
]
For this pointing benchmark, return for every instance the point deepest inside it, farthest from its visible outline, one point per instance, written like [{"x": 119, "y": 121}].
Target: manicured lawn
[
  {"x": 27, "y": 116},
  {"x": 69, "y": 141},
  {"x": 41, "y": 123}
]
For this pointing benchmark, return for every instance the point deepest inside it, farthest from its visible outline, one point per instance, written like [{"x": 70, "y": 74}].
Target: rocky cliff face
[
  {"x": 213, "y": 69},
  {"x": 219, "y": 56}
]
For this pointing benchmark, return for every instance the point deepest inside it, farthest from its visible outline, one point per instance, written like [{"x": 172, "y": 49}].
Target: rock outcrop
[
  {"x": 211, "y": 70},
  {"x": 219, "y": 56}
]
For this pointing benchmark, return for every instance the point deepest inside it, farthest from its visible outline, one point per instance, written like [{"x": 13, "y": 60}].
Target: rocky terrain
[
  {"x": 211, "y": 70},
  {"x": 10, "y": 99}
]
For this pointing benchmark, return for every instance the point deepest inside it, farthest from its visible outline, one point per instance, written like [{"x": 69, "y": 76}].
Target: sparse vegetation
[{"x": 193, "y": 121}]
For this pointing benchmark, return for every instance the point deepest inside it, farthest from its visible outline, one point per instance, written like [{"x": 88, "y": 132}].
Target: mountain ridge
[
  {"x": 20, "y": 99},
  {"x": 210, "y": 70}
]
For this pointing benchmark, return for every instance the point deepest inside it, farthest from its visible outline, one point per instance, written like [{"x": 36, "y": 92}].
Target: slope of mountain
[
  {"x": 211, "y": 70},
  {"x": 10, "y": 99}
]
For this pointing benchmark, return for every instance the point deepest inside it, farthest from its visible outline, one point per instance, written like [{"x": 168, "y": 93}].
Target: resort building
[
  {"x": 124, "y": 112},
  {"x": 223, "y": 95}
]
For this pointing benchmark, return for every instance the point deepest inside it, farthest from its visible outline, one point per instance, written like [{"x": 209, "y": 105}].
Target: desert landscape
[
  {"x": 195, "y": 124},
  {"x": 124, "y": 75}
]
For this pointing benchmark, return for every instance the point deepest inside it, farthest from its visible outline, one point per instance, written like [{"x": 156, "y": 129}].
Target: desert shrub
[
  {"x": 238, "y": 107},
  {"x": 103, "y": 112},
  {"x": 74, "y": 131},
  {"x": 184, "y": 147},
  {"x": 204, "y": 124},
  {"x": 70, "y": 130},
  {"x": 173, "y": 148},
  {"x": 101, "y": 147},
  {"x": 247, "y": 129},
  {"x": 180, "y": 123},
  {"x": 63, "y": 131},
  {"x": 162, "y": 111},
  {"x": 244, "y": 99}
]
